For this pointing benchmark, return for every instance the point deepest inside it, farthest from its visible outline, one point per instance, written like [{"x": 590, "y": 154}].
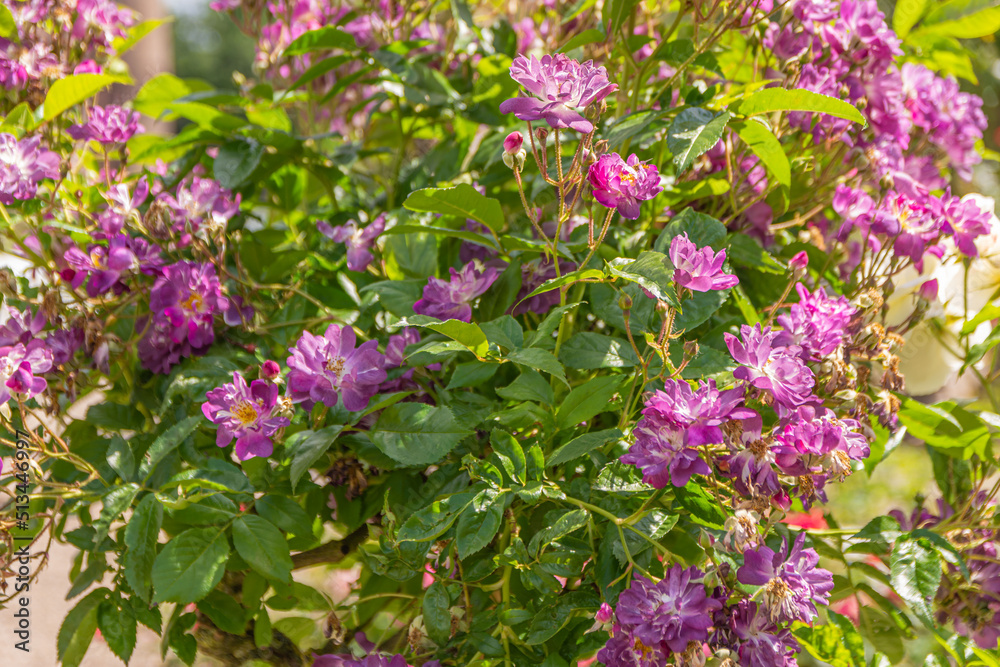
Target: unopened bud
[
  {"x": 269, "y": 370},
  {"x": 929, "y": 290},
  {"x": 542, "y": 134},
  {"x": 512, "y": 144},
  {"x": 625, "y": 302},
  {"x": 799, "y": 262},
  {"x": 690, "y": 349},
  {"x": 8, "y": 284},
  {"x": 603, "y": 614}
]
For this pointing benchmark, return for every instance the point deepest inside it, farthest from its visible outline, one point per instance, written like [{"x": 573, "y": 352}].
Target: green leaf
[
  {"x": 589, "y": 36},
  {"x": 946, "y": 426},
  {"x": 190, "y": 566},
  {"x": 466, "y": 333},
  {"x": 582, "y": 445},
  {"x": 512, "y": 453},
  {"x": 463, "y": 201},
  {"x": 570, "y": 521},
  {"x": 747, "y": 252},
  {"x": 618, "y": 477},
  {"x": 633, "y": 125},
  {"x": 113, "y": 503},
  {"x": 225, "y": 612},
  {"x": 906, "y": 14},
  {"x": 120, "y": 458},
  {"x": 616, "y": 13},
  {"x": 135, "y": 35},
  {"x": 915, "y": 573},
  {"x": 965, "y": 19},
  {"x": 551, "y": 618},
  {"x": 437, "y": 617},
  {"x": 262, "y": 631},
  {"x": 529, "y": 386},
  {"x": 286, "y": 513},
  {"x": 8, "y": 27},
  {"x": 141, "y": 534},
  {"x": 882, "y": 530},
  {"x": 235, "y": 162},
  {"x": 651, "y": 270},
  {"x": 118, "y": 627},
  {"x": 76, "y": 88},
  {"x": 702, "y": 230},
  {"x": 430, "y": 522},
  {"x": 167, "y": 442},
  {"x": 306, "y": 447},
  {"x": 539, "y": 359},
  {"x": 77, "y": 629},
  {"x": 502, "y": 294},
  {"x": 825, "y": 642},
  {"x": 693, "y": 132},
  {"x": 479, "y": 522},
  {"x": 587, "y": 401},
  {"x": 653, "y": 524},
  {"x": 766, "y": 146},
  {"x": 262, "y": 546},
  {"x": 416, "y": 434},
  {"x": 589, "y": 351},
  {"x": 566, "y": 279},
  {"x": 703, "y": 508},
  {"x": 321, "y": 40},
  {"x": 798, "y": 99}
]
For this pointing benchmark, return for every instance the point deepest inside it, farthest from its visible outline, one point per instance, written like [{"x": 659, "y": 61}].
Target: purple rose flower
[
  {"x": 626, "y": 650},
  {"x": 183, "y": 301},
  {"x": 21, "y": 327},
  {"x": 622, "y": 185},
  {"x": 821, "y": 444},
  {"x": 371, "y": 659},
  {"x": 560, "y": 86},
  {"x": 792, "y": 582},
  {"x": 103, "y": 265},
  {"x": 64, "y": 343},
  {"x": 775, "y": 368},
  {"x": 966, "y": 221},
  {"x": 758, "y": 641},
  {"x": 200, "y": 202},
  {"x": 248, "y": 414},
  {"x": 670, "y": 613},
  {"x": 323, "y": 367},
  {"x": 677, "y": 420},
  {"x": 18, "y": 365},
  {"x": 122, "y": 206},
  {"x": 699, "y": 269},
  {"x": 452, "y": 299},
  {"x": 108, "y": 125},
  {"x": 534, "y": 274},
  {"x": 359, "y": 240},
  {"x": 817, "y": 324},
  {"x": 22, "y": 165}
]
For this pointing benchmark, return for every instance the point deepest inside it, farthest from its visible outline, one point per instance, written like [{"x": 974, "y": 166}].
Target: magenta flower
[
  {"x": 758, "y": 641},
  {"x": 821, "y": 444},
  {"x": 323, "y": 367},
  {"x": 201, "y": 202},
  {"x": 533, "y": 275},
  {"x": 18, "y": 365},
  {"x": 248, "y": 414},
  {"x": 452, "y": 299},
  {"x": 22, "y": 165},
  {"x": 107, "y": 125},
  {"x": 122, "y": 206},
  {"x": 677, "y": 420},
  {"x": 561, "y": 86},
  {"x": 103, "y": 266},
  {"x": 64, "y": 343},
  {"x": 370, "y": 659},
  {"x": 622, "y": 185},
  {"x": 21, "y": 327},
  {"x": 817, "y": 324},
  {"x": 767, "y": 365},
  {"x": 699, "y": 269},
  {"x": 184, "y": 301},
  {"x": 668, "y": 614},
  {"x": 966, "y": 221},
  {"x": 359, "y": 240},
  {"x": 792, "y": 582}
]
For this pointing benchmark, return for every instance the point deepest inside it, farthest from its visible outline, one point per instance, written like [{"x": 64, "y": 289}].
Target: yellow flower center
[
  {"x": 193, "y": 303},
  {"x": 245, "y": 412},
  {"x": 335, "y": 366}
]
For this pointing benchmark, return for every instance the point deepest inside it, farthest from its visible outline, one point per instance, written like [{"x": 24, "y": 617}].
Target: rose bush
[{"x": 546, "y": 322}]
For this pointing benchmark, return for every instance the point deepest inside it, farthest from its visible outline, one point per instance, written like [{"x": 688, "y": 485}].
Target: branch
[{"x": 331, "y": 552}]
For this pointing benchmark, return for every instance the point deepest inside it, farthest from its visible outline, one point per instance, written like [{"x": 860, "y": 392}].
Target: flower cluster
[
  {"x": 652, "y": 620},
  {"x": 184, "y": 301},
  {"x": 22, "y": 165}
]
